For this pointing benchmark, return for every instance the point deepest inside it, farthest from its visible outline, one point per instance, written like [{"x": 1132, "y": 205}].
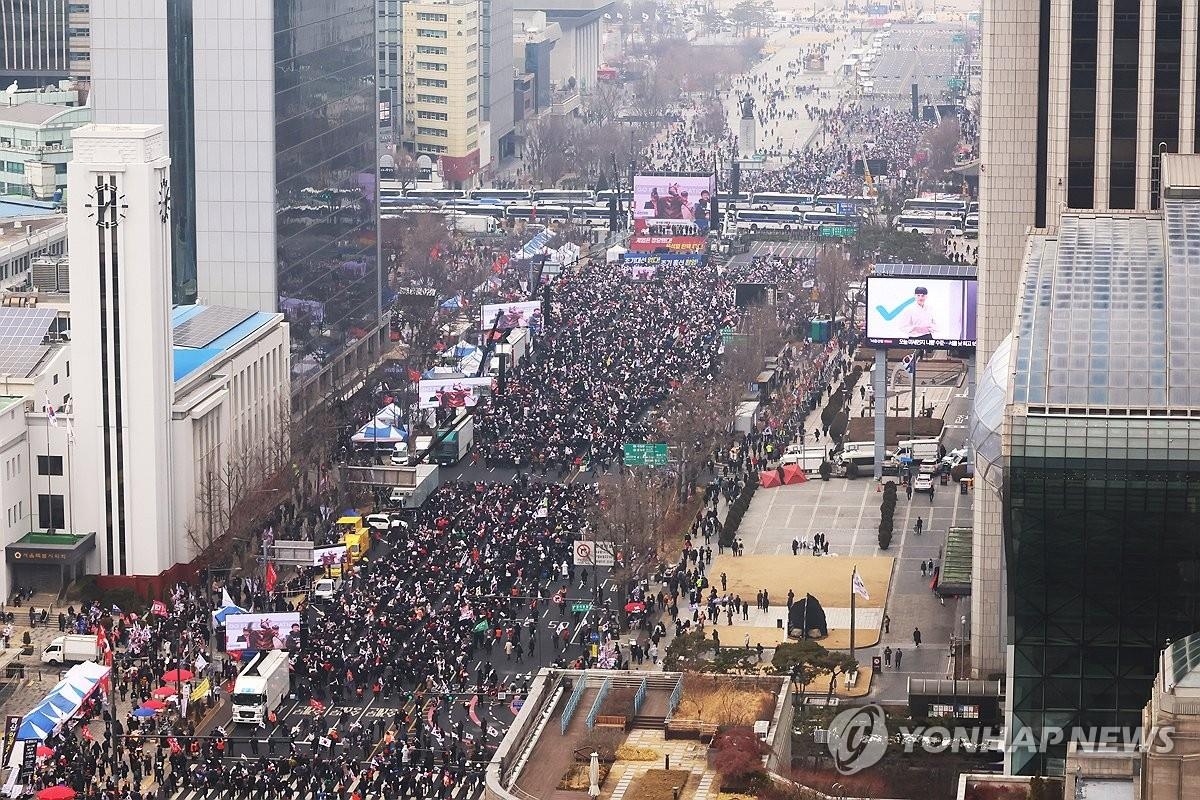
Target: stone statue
[{"x": 747, "y": 107}]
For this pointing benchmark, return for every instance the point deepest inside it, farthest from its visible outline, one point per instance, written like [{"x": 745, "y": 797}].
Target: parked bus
[
  {"x": 592, "y": 216},
  {"x": 815, "y": 219},
  {"x": 603, "y": 197},
  {"x": 537, "y": 213},
  {"x": 946, "y": 206},
  {"x": 929, "y": 224},
  {"x": 440, "y": 195},
  {"x": 568, "y": 197},
  {"x": 501, "y": 196},
  {"x": 782, "y": 201},
  {"x": 756, "y": 220},
  {"x": 971, "y": 226}
]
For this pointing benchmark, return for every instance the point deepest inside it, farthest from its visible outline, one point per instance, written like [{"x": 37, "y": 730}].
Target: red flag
[
  {"x": 158, "y": 607},
  {"x": 317, "y": 706},
  {"x": 85, "y": 733},
  {"x": 176, "y": 748},
  {"x": 414, "y": 375},
  {"x": 270, "y": 577}
]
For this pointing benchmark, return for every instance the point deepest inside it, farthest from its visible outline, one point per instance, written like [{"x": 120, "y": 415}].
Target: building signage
[{"x": 32, "y": 555}]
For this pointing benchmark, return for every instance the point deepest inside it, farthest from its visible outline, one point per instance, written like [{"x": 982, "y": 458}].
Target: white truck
[
  {"x": 808, "y": 458},
  {"x": 261, "y": 687},
  {"x": 72, "y": 648},
  {"x": 425, "y": 483},
  {"x": 923, "y": 450}
]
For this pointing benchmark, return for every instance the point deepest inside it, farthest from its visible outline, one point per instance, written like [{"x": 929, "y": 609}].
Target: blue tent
[
  {"x": 379, "y": 434},
  {"x": 452, "y": 303},
  {"x": 220, "y": 614},
  {"x": 63, "y": 701}
]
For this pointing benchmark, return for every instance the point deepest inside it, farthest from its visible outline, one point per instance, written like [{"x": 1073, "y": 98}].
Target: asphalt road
[{"x": 921, "y": 54}]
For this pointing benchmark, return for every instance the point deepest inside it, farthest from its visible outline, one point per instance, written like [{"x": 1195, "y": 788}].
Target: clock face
[
  {"x": 106, "y": 206},
  {"x": 164, "y": 200}
]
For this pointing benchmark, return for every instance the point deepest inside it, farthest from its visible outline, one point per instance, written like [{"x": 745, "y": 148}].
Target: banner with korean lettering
[
  {"x": 668, "y": 244},
  {"x": 645, "y": 266},
  {"x": 11, "y": 725}
]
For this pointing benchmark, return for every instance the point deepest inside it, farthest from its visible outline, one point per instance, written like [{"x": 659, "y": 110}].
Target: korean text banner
[
  {"x": 673, "y": 197},
  {"x": 504, "y": 316},
  {"x": 267, "y": 631},
  {"x": 921, "y": 311},
  {"x": 672, "y": 244},
  {"x": 645, "y": 266},
  {"x": 452, "y": 392}
]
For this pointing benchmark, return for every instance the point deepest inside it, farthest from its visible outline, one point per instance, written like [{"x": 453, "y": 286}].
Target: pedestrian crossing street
[{"x": 469, "y": 789}]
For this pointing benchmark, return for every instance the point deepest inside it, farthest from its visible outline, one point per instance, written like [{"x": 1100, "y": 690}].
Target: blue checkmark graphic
[{"x": 888, "y": 316}]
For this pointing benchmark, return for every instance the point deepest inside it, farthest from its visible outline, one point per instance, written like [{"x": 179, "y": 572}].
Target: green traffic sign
[
  {"x": 837, "y": 231},
  {"x": 645, "y": 455},
  {"x": 956, "y": 83},
  {"x": 580, "y": 608}
]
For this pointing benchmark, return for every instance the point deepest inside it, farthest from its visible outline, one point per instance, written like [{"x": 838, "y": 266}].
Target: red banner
[{"x": 668, "y": 244}]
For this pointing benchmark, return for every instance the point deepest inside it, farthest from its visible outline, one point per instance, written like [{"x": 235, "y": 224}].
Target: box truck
[
  {"x": 72, "y": 648},
  {"x": 261, "y": 687}
]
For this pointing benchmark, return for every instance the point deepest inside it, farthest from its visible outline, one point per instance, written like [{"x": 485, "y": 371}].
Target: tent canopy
[
  {"x": 63, "y": 701},
  {"x": 373, "y": 433},
  {"x": 220, "y": 614},
  {"x": 792, "y": 473},
  {"x": 768, "y": 478}
]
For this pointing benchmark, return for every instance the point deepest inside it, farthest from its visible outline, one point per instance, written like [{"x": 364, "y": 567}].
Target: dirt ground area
[
  {"x": 658, "y": 784},
  {"x": 825, "y": 578}
]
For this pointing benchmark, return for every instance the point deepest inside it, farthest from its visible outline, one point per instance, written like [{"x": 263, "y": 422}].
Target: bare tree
[
  {"x": 834, "y": 272},
  {"x": 631, "y": 514}
]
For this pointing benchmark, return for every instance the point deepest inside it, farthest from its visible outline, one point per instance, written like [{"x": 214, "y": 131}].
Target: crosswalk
[{"x": 468, "y": 789}]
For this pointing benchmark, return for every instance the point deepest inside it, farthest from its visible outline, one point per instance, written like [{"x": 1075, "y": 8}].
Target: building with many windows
[
  {"x": 442, "y": 85},
  {"x": 1079, "y": 101},
  {"x": 1093, "y": 448},
  {"x": 497, "y": 69},
  {"x": 271, "y": 113},
  {"x": 44, "y": 41},
  {"x": 35, "y": 146}
]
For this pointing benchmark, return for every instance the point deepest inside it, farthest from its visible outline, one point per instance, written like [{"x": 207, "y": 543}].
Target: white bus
[
  {"x": 781, "y": 201},
  {"x": 946, "y": 206},
  {"x": 756, "y": 220},
  {"x": 492, "y": 210},
  {"x": 564, "y": 197},
  {"x": 439, "y": 195},
  {"x": 971, "y": 225},
  {"x": 815, "y": 219},
  {"x": 470, "y": 223},
  {"x": 538, "y": 213},
  {"x": 592, "y": 216},
  {"x": 929, "y": 224},
  {"x": 501, "y": 196}
]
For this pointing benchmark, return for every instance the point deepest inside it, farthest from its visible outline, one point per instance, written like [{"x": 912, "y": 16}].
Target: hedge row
[
  {"x": 887, "y": 513},
  {"x": 737, "y": 510}
]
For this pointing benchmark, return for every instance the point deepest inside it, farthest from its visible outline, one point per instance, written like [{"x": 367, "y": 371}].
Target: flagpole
[{"x": 853, "y": 573}]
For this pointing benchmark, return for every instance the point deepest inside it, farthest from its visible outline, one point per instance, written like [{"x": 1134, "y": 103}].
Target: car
[
  {"x": 399, "y": 456},
  {"x": 326, "y": 588},
  {"x": 380, "y": 522},
  {"x": 923, "y": 483},
  {"x": 955, "y": 457}
]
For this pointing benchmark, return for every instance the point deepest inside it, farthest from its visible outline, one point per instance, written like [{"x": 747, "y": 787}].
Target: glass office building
[
  {"x": 325, "y": 159},
  {"x": 1101, "y": 470}
]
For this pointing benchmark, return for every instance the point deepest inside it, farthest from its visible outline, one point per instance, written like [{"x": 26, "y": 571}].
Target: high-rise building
[
  {"x": 391, "y": 83},
  {"x": 442, "y": 85},
  {"x": 270, "y": 108},
  {"x": 43, "y": 41},
  {"x": 496, "y": 72},
  {"x": 1079, "y": 100}
]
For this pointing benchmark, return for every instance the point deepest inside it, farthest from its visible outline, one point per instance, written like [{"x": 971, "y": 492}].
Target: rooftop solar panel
[{"x": 209, "y": 325}]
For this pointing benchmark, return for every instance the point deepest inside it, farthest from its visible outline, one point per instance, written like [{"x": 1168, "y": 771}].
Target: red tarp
[
  {"x": 793, "y": 474},
  {"x": 768, "y": 479}
]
